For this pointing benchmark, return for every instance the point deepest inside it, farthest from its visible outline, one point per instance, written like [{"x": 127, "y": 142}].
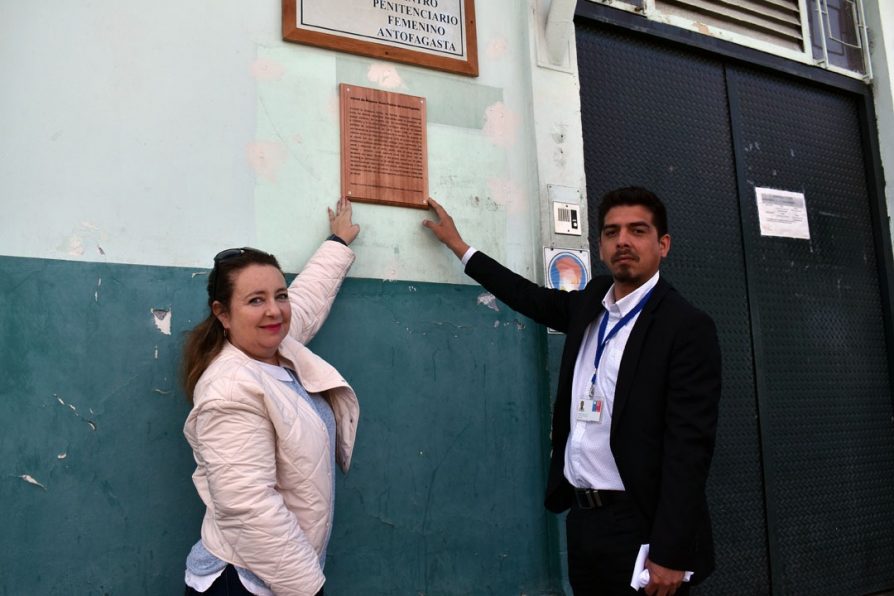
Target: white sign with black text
[
  {"x": 782, "y": 213},
  {"x": 431, "y": 26}
]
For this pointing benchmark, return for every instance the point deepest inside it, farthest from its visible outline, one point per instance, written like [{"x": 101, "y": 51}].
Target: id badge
[{"x": 589, "y": 409}]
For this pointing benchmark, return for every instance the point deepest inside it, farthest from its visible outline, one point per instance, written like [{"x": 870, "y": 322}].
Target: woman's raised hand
[{"x": 340, "y": 222}]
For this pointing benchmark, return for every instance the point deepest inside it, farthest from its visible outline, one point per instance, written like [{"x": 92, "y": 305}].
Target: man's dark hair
[{"x": 635, "y": 195}]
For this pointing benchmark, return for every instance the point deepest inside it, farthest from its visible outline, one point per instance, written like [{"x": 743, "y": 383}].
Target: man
[{"x": 636, "y": 406}]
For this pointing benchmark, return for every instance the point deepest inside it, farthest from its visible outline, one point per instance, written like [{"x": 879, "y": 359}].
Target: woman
[{"x": 269, "y": 419}]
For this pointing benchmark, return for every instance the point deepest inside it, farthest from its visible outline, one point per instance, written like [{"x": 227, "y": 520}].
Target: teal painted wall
[{"x": 445, "y": 493}]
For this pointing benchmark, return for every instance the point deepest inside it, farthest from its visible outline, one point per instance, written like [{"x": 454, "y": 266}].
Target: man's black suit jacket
[{"x": 665, "y": 406}]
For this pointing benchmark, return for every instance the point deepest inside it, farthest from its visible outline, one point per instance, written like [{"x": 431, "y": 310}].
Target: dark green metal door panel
[{"x": 823, "y": 378}]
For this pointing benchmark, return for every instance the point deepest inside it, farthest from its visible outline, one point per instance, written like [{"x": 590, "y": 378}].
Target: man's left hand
[{"x": 662, "y": 581}]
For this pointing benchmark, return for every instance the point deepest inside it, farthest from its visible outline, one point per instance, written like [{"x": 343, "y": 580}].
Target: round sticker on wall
[{"x": 566, "y": 270}]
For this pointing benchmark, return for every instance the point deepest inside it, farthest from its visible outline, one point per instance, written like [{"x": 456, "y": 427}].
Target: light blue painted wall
[{"x": 160, "y": 134}]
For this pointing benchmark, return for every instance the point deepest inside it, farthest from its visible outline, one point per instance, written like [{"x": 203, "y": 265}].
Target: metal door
[{"x": 802, "y": 484}]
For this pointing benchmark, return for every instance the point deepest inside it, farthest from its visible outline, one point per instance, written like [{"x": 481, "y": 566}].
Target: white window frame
[{"x": 822, "y": 9}]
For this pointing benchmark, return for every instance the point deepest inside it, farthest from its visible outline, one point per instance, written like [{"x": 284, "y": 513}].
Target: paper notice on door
[{"x": 782, "y": 213}]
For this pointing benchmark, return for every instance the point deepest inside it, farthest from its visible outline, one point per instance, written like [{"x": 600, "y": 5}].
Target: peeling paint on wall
[
  {"x": 391, "y": 271},
  {"x": 266, "y": 158},
  {"x": 75, "y": 247},
  {"x": 30, "y": 480},
  {"x": 506, "y": 194},
  {"x": 500, "y": 124},
  {"x": 162, "y": 319},
  {"x": 488, "y": 300},
  {"x": 384, "y": 75},
  {"x": 497, "y": 48},
  {"x": 265, "y": 69},
  {"x": 85, "y": 233},
  {"x": 74, "y": 410}
]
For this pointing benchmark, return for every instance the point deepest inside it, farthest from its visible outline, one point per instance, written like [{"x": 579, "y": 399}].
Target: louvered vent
[{"x": 776, "y": 21}]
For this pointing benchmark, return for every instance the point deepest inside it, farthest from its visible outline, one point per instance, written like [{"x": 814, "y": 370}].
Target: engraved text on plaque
[{"x": 384, "y": 158}]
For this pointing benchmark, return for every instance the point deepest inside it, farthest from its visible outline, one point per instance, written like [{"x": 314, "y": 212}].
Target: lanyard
[{"x": 602, "y": 340}]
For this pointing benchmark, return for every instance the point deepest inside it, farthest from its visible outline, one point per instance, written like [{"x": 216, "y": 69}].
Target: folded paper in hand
[{"x": 640, "y": 577}]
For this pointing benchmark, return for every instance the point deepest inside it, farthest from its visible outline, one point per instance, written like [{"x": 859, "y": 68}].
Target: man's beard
[
  {"x": 623, "y": 274},
  {"x": 623, "y": 271}
]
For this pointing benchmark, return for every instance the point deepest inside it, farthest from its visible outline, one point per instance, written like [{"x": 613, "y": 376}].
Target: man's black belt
[{"x": 590, "y": 498}]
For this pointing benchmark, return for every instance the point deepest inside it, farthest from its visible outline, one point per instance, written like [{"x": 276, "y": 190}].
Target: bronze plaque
[{"x": 384, "y": 157}]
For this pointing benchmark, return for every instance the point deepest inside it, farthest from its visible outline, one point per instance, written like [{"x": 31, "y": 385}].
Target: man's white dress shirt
[{"x": 589, "y": 462}]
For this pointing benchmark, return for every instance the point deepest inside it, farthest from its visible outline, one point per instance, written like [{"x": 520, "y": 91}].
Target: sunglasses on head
[
  {"x": 225, "y": 255},
  {"x": 229, "y": 253}
]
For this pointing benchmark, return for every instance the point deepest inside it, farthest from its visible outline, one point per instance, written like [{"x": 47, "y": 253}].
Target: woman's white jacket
[{"x": 263, "y": 466}]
